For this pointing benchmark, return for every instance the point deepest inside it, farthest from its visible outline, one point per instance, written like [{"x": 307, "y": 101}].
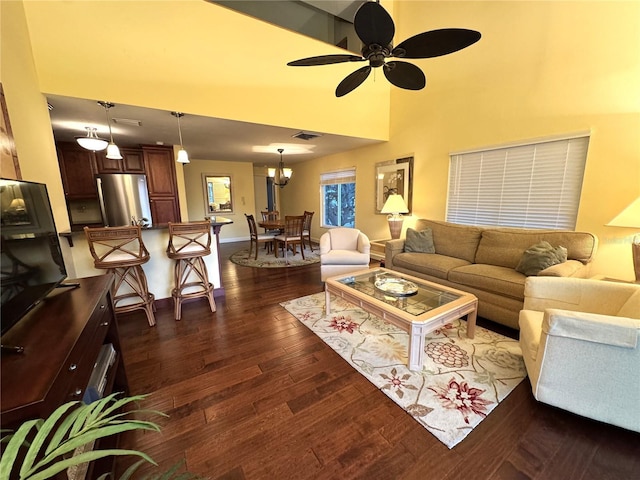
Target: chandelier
[{"x": 280, "y": 175}]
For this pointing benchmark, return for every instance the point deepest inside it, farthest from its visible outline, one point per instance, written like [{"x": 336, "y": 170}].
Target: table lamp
[
  {"x": 395, "y": 207},
  {"x": 630, "y": 218}
]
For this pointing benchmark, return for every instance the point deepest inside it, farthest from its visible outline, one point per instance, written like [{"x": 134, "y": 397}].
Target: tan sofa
[{"x": 482, "y": 261}]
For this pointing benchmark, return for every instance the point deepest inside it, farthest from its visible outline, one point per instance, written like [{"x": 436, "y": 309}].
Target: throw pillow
[
  {"x": 419, "y": 242},
  {"x": 540, "y": 256}
]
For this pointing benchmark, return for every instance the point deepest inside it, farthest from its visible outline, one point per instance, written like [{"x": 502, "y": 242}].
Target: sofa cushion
[
  {"x": 452, "y": 240},
  {"x": 505, "y": 246},
  {"x": 419, "y": 241},
  {"x": 540, "y": 256},
  {"x": 490, "y": 278},
  {"x": 431, "y": 264}
]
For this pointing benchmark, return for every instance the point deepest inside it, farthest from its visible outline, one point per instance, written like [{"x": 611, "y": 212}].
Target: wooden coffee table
[{"x": 417, "y": 312}]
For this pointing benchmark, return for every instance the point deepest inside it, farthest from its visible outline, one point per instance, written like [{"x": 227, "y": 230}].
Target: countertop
[{"x": 216, "y": 222}]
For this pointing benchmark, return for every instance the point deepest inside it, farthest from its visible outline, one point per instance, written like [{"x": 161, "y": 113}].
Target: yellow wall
[
  {"x": 241, "y": 190},
  {"x": 199, "y": 58},
  {"x": 541, "y": 69},
  {"x": 27, "y": 108}
]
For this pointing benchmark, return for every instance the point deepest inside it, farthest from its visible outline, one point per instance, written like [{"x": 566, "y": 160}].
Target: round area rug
[{"x": 268, "y": 260}]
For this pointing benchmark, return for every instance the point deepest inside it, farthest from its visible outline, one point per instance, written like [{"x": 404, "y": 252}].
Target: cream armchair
[
  {"x": 581, "y": 345},
  {"x": 343, "y": 250}
]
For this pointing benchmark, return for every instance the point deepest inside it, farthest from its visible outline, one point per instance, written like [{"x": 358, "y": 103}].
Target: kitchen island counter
[{"x": 159, "y": 268}]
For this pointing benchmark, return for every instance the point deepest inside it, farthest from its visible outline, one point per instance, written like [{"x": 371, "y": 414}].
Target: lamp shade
[
  {"x": 394, "y": 204},
  {"x": 183, "y": 157},
  {"x": 113, "y": 152},
  {"x": 629, "y": 217}
]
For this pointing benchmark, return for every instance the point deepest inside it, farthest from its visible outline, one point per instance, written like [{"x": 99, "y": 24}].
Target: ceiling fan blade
[
  {"x": 405, "y": 75},
  {"x": 436, "y": 43},
  {"x": 352, "y": 81},
  {"x": 373, "y": 24},
  {"x": 324, "y": 60}
]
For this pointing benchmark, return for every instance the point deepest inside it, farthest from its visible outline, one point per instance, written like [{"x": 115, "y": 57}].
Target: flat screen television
[{"x": 31, "y": 258}]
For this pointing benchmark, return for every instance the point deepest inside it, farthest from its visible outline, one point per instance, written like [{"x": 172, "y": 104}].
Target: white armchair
[
  {"x": 343, "y": 250},
  {"x": 581, "y": 345}
]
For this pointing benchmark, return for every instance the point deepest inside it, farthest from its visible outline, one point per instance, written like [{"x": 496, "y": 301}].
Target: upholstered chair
[
  {"x": 581, "y": 345},
  {"x": 343, "y": 250}
]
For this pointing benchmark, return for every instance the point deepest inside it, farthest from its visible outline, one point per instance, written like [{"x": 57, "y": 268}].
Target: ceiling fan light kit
[{"x": 375, "y": 28}]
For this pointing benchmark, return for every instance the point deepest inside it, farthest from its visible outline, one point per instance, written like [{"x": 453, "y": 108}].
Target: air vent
[
  {"x": 128, "y": 121},
  {"x": 306, "y": 135}
]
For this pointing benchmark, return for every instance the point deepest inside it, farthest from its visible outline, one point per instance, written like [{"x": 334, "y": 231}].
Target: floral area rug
[
  {"x": 461, "y": 382},
  {"x": 268, "y": 260}
]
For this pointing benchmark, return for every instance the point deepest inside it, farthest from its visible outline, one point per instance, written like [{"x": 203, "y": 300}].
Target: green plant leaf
[
  {"x": 71, "y": 444},
  {"x": 128, "y": 473},
  {"x": 11, "y": 451},
  {"x": 62, "y": 430},
  {"x": 84, "y": 458},
  {"x": 44, "y": 430}
]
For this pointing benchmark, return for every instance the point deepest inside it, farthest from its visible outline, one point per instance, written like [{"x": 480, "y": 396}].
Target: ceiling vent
[
  {"x": 306, "y": 135},
  {"x": 127, "y": 121}
]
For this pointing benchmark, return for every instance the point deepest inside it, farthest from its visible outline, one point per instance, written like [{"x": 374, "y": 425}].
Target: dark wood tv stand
[{"x": 62, "y": 338}]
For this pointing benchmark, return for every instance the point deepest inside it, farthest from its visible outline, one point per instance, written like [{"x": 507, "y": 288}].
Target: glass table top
[{"x": 412, "y": 297}]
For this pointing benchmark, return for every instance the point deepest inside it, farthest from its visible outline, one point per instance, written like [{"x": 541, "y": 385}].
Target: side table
[{"x": 377, "y": 248}]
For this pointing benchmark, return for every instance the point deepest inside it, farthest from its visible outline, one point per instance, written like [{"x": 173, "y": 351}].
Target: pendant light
[
  {"x": 92, "y": 141},
  {"x": 113, "y": 152},
  {"x": 183, "y": 157},
  {"x": 281, "y": 175}
]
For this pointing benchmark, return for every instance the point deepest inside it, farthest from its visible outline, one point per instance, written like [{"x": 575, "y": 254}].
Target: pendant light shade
[
  {"x": 113, "y": 152},
  {"x": 280, "y": 175},
  {"x": 92, "y": 141},
  {"x": 183, "y": 157}
]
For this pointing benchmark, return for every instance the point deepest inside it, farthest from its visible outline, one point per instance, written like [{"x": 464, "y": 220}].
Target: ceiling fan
[{"x": 375, "y": 28}]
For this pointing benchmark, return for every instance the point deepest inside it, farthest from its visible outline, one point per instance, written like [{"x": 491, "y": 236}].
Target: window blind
[
  {"x": 341, "y": 176},
  {"x": 534, "y": 185}
]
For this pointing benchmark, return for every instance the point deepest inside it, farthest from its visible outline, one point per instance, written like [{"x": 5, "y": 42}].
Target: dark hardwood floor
[{"x": 252, "y": 394}]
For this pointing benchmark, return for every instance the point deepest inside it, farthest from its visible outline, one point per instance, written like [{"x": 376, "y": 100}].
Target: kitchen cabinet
[
  {"x": 107, "y": 165},
  {"x": 78, "y": 169},
  {"x": 79, "y": 166},
  {"x": 161, "y": 182},
  {"x": 132, "y": 160}
]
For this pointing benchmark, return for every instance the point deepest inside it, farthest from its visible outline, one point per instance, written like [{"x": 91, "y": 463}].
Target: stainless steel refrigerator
[{"x": 124, "y": 199}]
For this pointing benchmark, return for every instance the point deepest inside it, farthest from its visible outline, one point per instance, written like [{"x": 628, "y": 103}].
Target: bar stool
[
  {"x": 189, "y": 242},
  {"x": 121, "y": 251}
]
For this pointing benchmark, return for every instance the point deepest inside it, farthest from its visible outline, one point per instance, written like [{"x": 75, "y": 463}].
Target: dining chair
[
  {"x": 256, "y": 238},
  {"x": 292, "y": 235},
  {"x": 271, "y": 216},
  {"x": 306, "y": 229},
  {"x": 120, "y": 250}
]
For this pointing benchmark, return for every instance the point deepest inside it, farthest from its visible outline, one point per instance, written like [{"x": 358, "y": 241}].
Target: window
[
  {"x": 338, "y": 198},
  {"x": 535, "y": 185}
]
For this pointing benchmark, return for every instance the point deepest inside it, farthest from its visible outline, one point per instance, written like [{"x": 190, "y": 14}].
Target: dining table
[{"x": 272, "y": 224}]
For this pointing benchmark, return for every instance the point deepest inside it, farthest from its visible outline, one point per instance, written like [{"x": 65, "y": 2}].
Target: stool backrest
[
  {"x": 113, "y": 247},
  {"x": 189, "y": 239}
]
